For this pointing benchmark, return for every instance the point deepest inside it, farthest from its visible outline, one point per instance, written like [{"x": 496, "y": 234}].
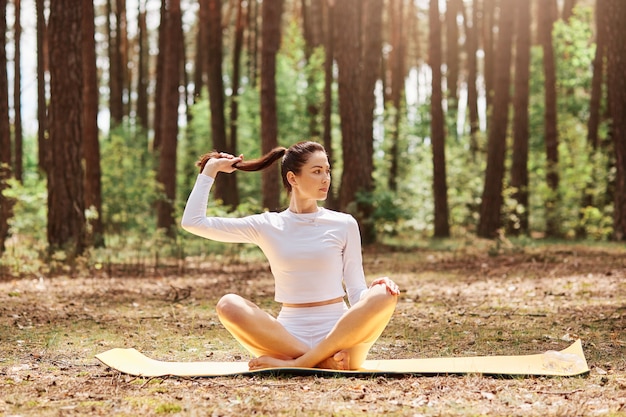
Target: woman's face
[{"x": 313, "y": 181}]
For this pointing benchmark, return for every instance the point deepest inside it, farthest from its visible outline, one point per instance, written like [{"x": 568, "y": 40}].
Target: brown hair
[{"x": 292, "y": 159}]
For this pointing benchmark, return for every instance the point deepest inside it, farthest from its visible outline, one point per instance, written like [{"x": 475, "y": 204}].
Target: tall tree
[
  {"x": 5, "y": 132},
  {"x": 42, "y": 68},
  {"x": 143, "y": 67},
  {"x": 547, "y": 16},
  {"x": 370, "y": 34},
  {"x": 396, "y": 70},
  {"x": 170, "y": 98},
  {"x": 355, "y": 177},
  {"x": 616, "y": 53},
  {"x": 270, "y": 44},
  {"x": 519, "y": 165},
  {"x": 234, "y": 98},
  {"x": 312, "y": 30},
  {"x": 66, "y": 202},
  {"x": 17, "y": 94},
  {"x": 453, "y": 9},
  {"x": 491, "y": 203},
  {"x": 437, "y": 125},
  {"x": 329, "y": 57},
  {"x": 201, "y": 47},
  {"x": 471, "y": 46},
  {"x": 91, "y": 145},
  {"x": 252, "y": 41},
  {"x": 595, "y": 103},
  {"x": 488, "y": 23},
  {"x": 116, "y": 65},
  {"x": 224, "y": 189}
]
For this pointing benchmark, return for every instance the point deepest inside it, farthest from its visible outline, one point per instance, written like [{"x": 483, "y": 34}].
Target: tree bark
[
  {"x": 453, "y": 8},
  {"x": 348, "y": 47},
  {"x": 170, "y": 99},
  {"x": 551, "y": 133},
  {"x": 396, "y": 70},
  {"x": 270, "y": 44},
  {"x": 491, "y": 203},
  {"x": 42, "y": 68},
  {"x": 519, "y": 165},
  {"x": 66, "y": 201},
  {"x": 225, "y": 188},
  {"x": 234, "y": 99},
  {"x": 616, "y": 53},
  {"x": 437, "y": 126},
  {"x": 329, "y": 49},
  {"x": 143, "y": 72},
  {"x": 471, "y": 45},
  {"x": 17, "y": 96},
  {"x": 91, "y": 145},
  {"x": 5, "y": 132}
]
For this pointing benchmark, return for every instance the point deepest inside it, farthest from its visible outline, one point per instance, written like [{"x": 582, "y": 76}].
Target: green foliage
[
  {"x": 580, "y": 170},
  {"x": 129, "y": 186}
]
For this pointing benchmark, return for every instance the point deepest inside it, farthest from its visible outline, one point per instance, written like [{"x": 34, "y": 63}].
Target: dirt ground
[{"x": 453, "y": 303}]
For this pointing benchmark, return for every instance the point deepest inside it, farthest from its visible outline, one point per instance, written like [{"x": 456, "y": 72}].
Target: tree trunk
[
  {"x": 17, "y": 95},
  {"x": 311, "y": 22},
  {"x": 329, "y": 48},
  {"x": 616, "y": 53},
  {"x": 253, "y": 41},
  {"x": 437, "y": 125},
  {"x": 488, "y": 23},
  {"x": 270, "y": 34},
  {"x": 201, "y": 46},
  {"x": 471, "y": 44},
  {"x": 453, "y": 8},
  {"x": 42, "y": 68},
  {"x": 116, "y": 74},
  {"x": 354, "y": 178},
  {"x": 91, "y": 145},
  {"x": 143, "y": 76},
  {"x": 519, "y": 165},
  {"x": 66, "y": 201},
  {"x": 160, "y": 82},
  {"x": 224, "y": 185},
  {"x": 491, "y": 203},
  {"x": 396, "y": 70},
  {"x": 551, "y": 134},
  {"x": 170, "y": 99},
  {"x": 5, "y": 132},
  {"x": 234, "y": 99},
  {"x": 595, "y": 104}
]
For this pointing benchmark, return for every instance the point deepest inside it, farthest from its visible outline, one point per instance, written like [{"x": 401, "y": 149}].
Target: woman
[{"x": 313, "y": 252}]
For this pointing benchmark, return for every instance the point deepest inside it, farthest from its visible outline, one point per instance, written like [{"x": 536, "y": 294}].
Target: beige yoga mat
[{"x": 568, "y": 362}]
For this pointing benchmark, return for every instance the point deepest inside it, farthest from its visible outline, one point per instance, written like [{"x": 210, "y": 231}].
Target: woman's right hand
[{"x": 223, "y": 163}]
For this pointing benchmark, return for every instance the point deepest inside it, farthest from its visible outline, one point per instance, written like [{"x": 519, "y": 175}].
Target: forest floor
[{"x": 456, "y": 302}]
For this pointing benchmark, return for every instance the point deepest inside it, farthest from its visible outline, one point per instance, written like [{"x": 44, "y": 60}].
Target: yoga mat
[{"x": 568, "y": 362}]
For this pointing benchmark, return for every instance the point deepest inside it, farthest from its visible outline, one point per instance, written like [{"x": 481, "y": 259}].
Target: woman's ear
[{"x": 291, "y": 178}]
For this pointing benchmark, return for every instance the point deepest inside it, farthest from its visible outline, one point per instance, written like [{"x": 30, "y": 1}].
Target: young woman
[{"x": 313, "y": 253}]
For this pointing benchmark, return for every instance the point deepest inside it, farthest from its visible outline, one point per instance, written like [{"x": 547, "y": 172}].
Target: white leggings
[{"x": 311, "y": 324}]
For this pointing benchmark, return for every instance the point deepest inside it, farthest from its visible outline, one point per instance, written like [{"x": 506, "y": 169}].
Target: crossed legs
[{"x": 345, "y": 347}]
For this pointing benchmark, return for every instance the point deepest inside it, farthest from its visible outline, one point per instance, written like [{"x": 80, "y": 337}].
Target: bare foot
[
  {"x": 264, "y": 362},
  {"x": 340, "y": 361}
]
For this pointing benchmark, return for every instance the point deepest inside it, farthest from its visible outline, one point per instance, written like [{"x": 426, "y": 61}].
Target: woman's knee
[
  {"x": 378, "y": 294},
  {"x": 229, "y": 306}
]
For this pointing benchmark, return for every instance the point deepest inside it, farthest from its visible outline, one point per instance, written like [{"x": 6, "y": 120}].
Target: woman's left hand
[{"x": 392, "y": 288}]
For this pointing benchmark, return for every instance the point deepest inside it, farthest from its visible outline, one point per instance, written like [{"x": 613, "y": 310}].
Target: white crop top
[{"x": 310, "y": 254}]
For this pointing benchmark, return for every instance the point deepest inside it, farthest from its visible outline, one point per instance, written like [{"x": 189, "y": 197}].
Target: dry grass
[{"x": 459, "y": 302}]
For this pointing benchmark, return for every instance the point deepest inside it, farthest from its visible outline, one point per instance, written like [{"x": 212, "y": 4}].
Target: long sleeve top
[{"x": 311, "y": 255}]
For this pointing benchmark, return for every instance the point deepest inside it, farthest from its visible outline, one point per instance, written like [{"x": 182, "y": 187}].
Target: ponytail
[{"x": 252, "y": 165}]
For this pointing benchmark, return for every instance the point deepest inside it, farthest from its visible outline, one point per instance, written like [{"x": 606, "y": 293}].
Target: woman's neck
[{"x": 302, "y": 206}]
